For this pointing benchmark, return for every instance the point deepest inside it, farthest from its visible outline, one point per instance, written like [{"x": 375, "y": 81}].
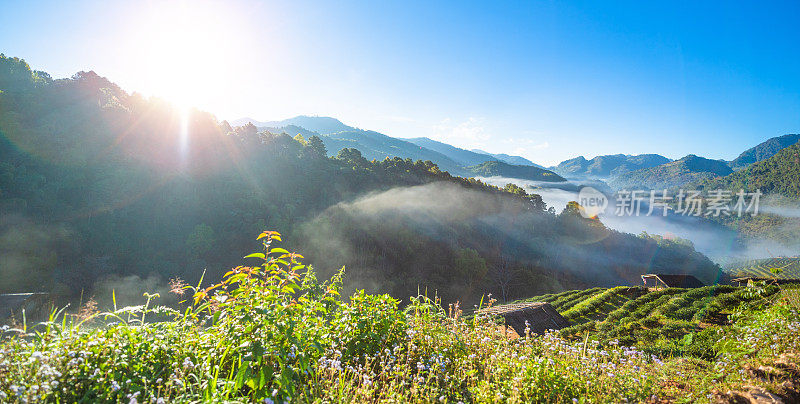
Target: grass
[{"x": 272, "y": 332}]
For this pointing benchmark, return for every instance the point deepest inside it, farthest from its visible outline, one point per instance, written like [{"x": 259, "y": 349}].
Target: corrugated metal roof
[
  {"x": 540, "y": 317},
  {"x": 677, "y": 281}
]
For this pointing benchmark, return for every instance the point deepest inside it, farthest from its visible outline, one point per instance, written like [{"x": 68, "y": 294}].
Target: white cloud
[
  {"x": 473, "y": 134},
  {"x": 522, "y": 146},
  {"x": 470, "y": 133}
]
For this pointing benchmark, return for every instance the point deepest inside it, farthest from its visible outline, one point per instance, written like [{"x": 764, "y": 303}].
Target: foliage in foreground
[{"x": 272, "y": 333}]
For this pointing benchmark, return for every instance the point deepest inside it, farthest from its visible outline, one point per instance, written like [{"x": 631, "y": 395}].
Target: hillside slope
[
  {"x": 319, "y": 124},
  {"x": 502, "y": 169},
  {"x": 516, "y": 160},
  {"x": 462, "y": 156},
  {"x": 673, "y": 174},
  {"x": 373, "y": 145},
  {"x": 764, "y": 150},
  {"x": 606, "y": 166},
  {"x": 377, "y": 146},
  {"x": 779, "y": 174}
]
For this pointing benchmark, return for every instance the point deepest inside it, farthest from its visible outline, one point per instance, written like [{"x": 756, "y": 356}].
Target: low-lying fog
[{"x": 718, "y": 242}]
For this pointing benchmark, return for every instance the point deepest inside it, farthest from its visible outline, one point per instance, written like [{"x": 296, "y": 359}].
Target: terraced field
[
  {"x": 667, "y": 321},
  {"x": 781, "y": 268},
  {"x": 565, "y": 300}
]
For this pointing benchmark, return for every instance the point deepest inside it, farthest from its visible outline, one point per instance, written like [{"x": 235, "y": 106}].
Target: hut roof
[
  {"x": 540, "y": 316},
  {"x": 676, "y": 281},
  {"x": 12, "y": 302}
]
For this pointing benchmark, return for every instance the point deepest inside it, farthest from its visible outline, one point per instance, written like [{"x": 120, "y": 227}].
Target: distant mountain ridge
[
  {"x": 377, "y": 146},
  {"x": 516, "y": 160},
  {"x": 607, "y": 166},
  {"x": 764, "y": 150},
  {"x": 672, "y": 174},
  {"x": 320, "y": 124},
  {"x": 779, "y": 174},
  {"x": 462, "y": 156},
  {"x": 645, "y": 171},
  {"x": 503, "y": 169}
]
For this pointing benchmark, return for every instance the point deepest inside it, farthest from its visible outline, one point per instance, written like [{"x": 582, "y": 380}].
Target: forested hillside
[
  {"x": 373, "y": 145},
  {"x": 764, "y": 150},
  {"x": 779, "y": 174},
  {"x": 98, "y": 184},
  {"x": 607, "y": 166},
  {"x": 672, "y": 174},
  {"x": 778, "y": 179},
  {"x": 502, "y": 169},
  {"x": 517, "y": 160},
  {"x": 461, "y": 156}
]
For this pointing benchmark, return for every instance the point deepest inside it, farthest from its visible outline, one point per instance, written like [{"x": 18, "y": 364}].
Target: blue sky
[{"x": 547, "y": 80}]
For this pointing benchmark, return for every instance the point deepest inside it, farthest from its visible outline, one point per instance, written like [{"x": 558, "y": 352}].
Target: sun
[{"x": 182, "y": 50}]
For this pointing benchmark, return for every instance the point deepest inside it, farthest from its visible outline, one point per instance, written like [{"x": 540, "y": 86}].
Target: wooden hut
[
  {"x": 34, "y": 304},
  {"x": 671, "y": 281},
  {"x": 540, "y": 317}
]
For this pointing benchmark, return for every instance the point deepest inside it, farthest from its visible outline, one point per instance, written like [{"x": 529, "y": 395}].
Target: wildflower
[
  {"x": 115, "y": 386},
  {"x": 177, "y": 286}
]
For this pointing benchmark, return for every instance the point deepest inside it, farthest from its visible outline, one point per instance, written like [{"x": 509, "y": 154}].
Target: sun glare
[{"x": 183, "y": 50}]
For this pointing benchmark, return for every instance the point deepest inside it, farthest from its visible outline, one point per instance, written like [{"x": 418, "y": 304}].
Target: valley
[{"x": 537, "y": 202}]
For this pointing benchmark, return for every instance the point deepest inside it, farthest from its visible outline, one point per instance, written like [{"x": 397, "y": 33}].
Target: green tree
[
  {"x": 469, "y": 264},
  {"x": 300, "y": 139},
  {"x": 200, "y": 240},
  {"x": 573, "y": 209},
  {"x": 515, "y": 189},
  {"x": 317, "y": 146},
  {"x": 352, "y": 156}
]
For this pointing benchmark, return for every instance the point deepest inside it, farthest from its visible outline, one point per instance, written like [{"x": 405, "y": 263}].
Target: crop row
[{"x": 767, "y": 268}]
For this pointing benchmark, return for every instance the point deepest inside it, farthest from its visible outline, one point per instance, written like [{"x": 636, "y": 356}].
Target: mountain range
[
  {"x": 377, "y": 146},
  {"x": 764, "y": 150},
  {"x": 607, "y": 166},
  {"x": 778, "y": 174},
  {"x": 522, "y": 161},
  {"x": 645, "y": 171},
  {"x": 672, "y": 174},
  {"x": 767, "y": 166}
]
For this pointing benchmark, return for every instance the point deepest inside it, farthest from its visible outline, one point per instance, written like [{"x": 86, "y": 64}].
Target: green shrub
[
  {"x": 701, "y": 344},
  {"x": 685, "y": 313}
]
